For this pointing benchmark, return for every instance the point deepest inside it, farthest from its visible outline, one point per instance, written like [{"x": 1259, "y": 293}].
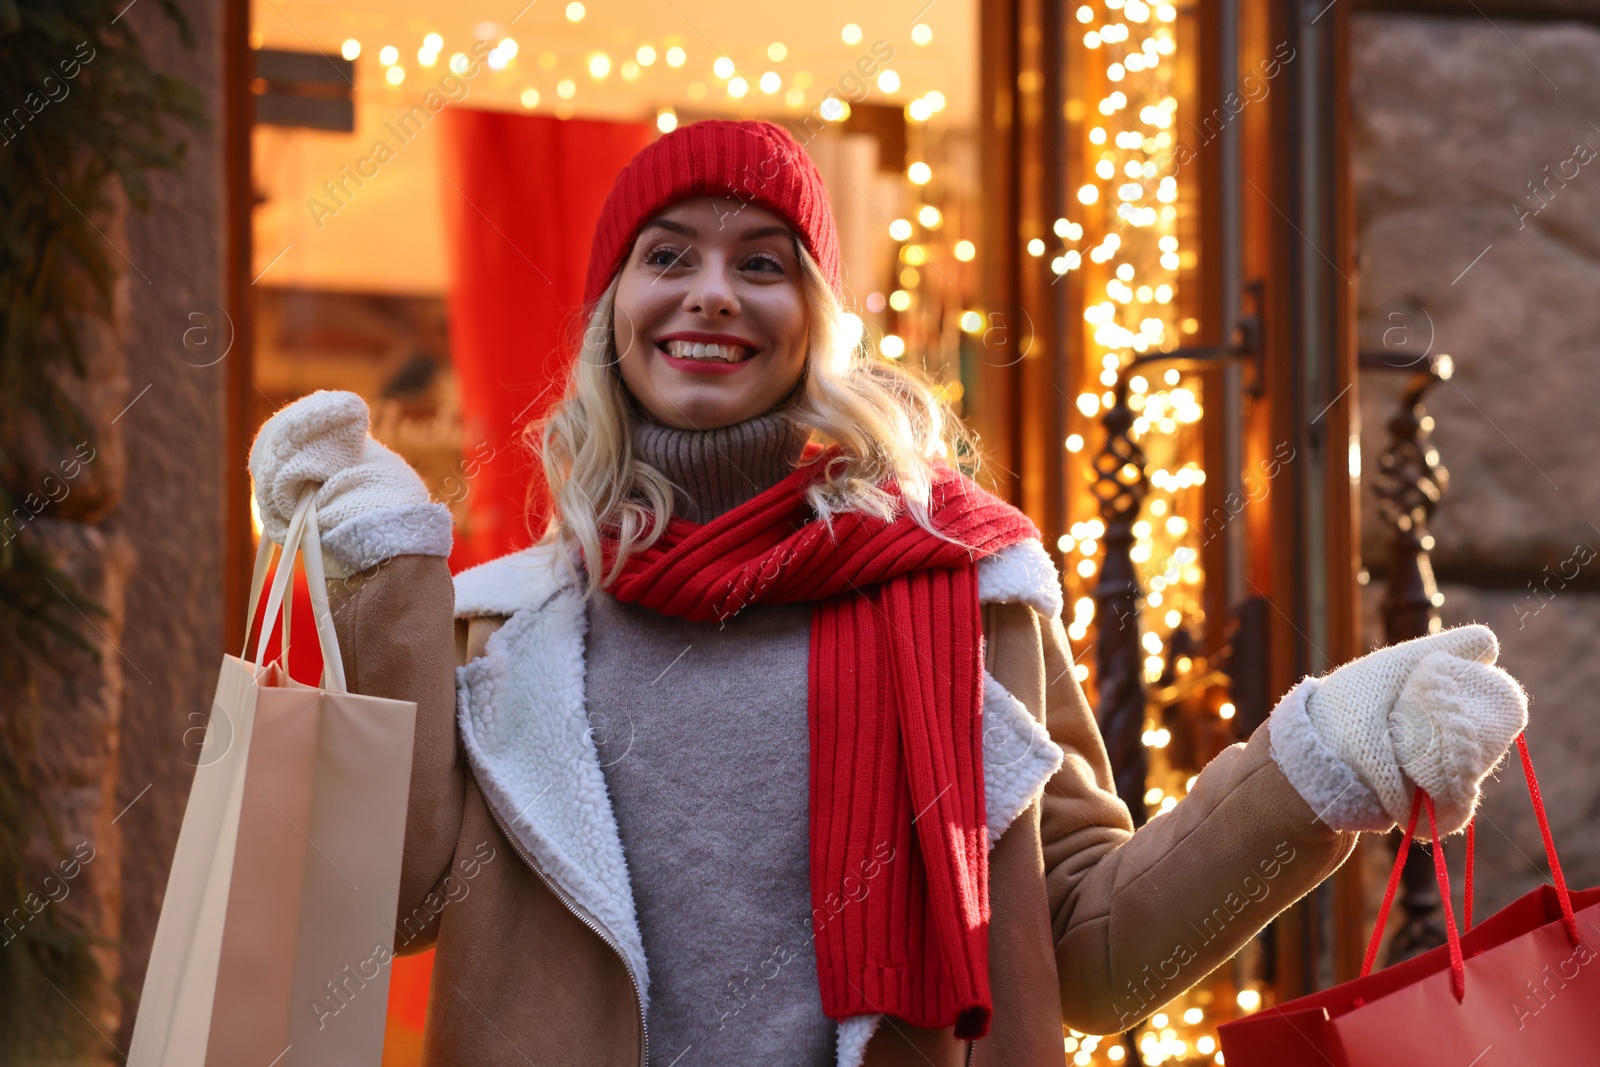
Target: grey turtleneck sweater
[{"x": 702, "y": 734}]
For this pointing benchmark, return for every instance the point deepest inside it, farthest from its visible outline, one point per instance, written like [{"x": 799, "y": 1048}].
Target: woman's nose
[{"x": 711, "y": 292}]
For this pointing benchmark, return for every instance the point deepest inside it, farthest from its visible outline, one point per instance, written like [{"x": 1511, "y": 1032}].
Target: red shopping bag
[{"x": 1523, "y": 987}]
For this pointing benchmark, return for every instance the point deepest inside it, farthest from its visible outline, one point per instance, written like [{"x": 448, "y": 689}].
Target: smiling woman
[{"x": 827, "y": 839}]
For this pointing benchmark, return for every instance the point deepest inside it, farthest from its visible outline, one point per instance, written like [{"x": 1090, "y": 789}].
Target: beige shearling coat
[{"x": 513, "y": 873}]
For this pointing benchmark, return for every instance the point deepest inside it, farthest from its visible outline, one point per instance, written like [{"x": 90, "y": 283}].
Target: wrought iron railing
[{"x": 1409, "y": 484}]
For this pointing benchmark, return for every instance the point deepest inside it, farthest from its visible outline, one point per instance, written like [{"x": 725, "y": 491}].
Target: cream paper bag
[{"x": 277, "y": 928}]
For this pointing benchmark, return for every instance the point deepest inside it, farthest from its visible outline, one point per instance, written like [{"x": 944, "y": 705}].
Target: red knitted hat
[{"x": 752, "y": 161}]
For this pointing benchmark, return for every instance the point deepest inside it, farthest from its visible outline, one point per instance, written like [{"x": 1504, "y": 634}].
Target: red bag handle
[
  {"x": 1458, "y": 973},
  {"x": 1457, "y": 964}
]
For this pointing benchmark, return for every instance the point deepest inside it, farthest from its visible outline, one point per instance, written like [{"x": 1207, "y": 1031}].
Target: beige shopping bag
[{"x": 276, "y": 932}]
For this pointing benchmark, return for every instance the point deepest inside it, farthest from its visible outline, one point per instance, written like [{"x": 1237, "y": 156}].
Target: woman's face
[{"x": 710, "y": 316}]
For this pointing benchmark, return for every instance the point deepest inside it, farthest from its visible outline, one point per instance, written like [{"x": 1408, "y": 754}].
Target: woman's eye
[
  {"x": 766, "y": 263},
  {"x": 665, "y": 255}
]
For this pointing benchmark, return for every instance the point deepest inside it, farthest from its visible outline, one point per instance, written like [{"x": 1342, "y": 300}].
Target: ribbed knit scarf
[{"x": 899, "y": 847}]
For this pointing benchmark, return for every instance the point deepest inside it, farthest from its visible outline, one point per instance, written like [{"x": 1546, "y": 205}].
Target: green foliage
[{"x": 81, "y": 113}]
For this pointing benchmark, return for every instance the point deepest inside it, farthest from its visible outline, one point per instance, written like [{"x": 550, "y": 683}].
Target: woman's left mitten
[
  {"x": 1434, "y": 713},
  {"x": 1451, "y": 724}
]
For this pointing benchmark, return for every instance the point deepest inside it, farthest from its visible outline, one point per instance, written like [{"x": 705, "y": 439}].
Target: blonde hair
[{"x": 888, "y": 422}]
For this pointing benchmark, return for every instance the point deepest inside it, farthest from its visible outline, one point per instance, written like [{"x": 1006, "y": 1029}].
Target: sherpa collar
[{"x": 525, "y": 729}]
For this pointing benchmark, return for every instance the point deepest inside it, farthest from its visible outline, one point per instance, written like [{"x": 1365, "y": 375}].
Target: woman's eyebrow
[
  {"x": 675, "y": 227},
  {"x": 775, "y": 230}
]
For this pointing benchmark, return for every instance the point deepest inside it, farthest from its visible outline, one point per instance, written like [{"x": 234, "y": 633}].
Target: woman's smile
[{"x": 706, "y": 353}]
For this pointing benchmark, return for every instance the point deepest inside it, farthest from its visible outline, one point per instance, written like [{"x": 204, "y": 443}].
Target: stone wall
[
  {"x": 170, "y": 512},
  {"x": 75, "y": 863},
  {"x": 1477, "y": 175}
]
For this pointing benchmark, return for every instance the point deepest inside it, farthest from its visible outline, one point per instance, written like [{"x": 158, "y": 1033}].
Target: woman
[{"x": 771, "y": 751}]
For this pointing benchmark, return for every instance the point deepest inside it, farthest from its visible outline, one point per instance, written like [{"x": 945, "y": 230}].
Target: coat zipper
[
  {"x": 970, "y": 1046},
  {"x": 561, "y": 895}
]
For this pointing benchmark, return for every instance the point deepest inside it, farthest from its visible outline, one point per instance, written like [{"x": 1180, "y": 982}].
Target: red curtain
[{"x": 522, "y": 196}]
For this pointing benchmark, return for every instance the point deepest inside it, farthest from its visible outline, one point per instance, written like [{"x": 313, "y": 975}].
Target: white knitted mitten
[
  {"x": 1433, "y": 712},
  {"x": 371, "y": 506}
]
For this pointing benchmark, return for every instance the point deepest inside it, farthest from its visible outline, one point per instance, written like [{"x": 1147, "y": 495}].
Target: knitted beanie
[{"x": 751, "y": 161}]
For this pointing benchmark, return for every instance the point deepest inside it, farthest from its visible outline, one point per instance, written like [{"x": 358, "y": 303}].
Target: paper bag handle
[
  {"x": 302, "y": 539},
  {"x": 1457, "y": 964},
  {"x": 258, "y": 578},
  {"x": 265, "y": 553}
]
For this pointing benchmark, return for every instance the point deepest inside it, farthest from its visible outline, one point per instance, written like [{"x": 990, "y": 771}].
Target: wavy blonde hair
[{"x": 888, "y": 422}]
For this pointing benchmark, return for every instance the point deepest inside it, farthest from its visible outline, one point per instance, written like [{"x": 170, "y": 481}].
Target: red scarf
[{"x": 901, "y": 918}]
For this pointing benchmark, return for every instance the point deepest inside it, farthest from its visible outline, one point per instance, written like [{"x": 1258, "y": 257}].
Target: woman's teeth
[{"x": 696, "y": 350}]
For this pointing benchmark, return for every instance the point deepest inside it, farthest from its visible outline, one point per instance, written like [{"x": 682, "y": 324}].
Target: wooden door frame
[
  {"x": 238, "y": 199},
  {"x": 1299, "y": 216}
]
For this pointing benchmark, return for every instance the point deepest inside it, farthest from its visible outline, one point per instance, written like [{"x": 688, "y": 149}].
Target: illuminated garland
[{"x": 1126, "y": 246}]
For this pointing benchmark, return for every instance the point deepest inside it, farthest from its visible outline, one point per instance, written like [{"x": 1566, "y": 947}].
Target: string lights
[
  {"x": 1125, "y": 243},
  {"x": 797, "y": 89}
]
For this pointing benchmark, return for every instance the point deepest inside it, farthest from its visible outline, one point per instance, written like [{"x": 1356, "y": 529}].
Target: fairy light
[{"x": 1122, "y": 247}]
